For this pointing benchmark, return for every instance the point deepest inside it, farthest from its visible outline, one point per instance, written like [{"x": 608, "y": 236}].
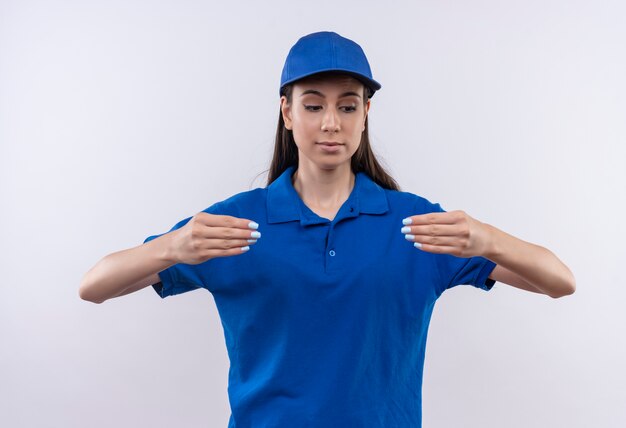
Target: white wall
[{"x": 119, "y": 118}]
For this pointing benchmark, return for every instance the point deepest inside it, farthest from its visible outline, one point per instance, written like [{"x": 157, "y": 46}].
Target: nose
[{"x": 330, "y": 121}]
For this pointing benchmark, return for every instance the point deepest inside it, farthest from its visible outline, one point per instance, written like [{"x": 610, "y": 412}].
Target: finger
[
  {"x": 452, "y": 241},
  {"x": 229, "y": 233},
  {"x": 212, "y": 253},
  {"x": 435, "y": 217},
  {"x": 436, "y": 229},
  {"x": 227, "y": 244},
  {"x": 439, "y": 249},
  {"x": 227, "y": 221}
]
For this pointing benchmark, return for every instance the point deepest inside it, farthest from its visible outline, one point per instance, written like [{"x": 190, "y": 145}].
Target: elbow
[
  {"x": 87, "y": 290},
  {"x": 85, "y": 294},
  {"x": 567, "y": 289},
  {"x": 562, "y": 293}
]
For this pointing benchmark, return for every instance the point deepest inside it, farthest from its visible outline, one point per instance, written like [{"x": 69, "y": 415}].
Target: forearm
[
  {"x": 540, "y": 267},
  {"x": 117, "y": 271}
]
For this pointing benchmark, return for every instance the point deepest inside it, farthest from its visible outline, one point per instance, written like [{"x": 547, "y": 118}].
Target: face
[{"x": 326, "y": 109}]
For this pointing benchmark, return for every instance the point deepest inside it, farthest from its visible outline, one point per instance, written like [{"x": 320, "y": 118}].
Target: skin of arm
[
  {"x": 519, "y": 263},
  {"x": 126, "y": 271},
  {"x": 528, "y": 266}
]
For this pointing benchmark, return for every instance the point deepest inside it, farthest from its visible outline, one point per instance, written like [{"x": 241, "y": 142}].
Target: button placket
[
  {"x": 331, "y": 259},
  {"x": 330, "y": 252}
]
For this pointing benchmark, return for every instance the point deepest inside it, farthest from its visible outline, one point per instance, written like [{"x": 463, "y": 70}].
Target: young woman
[{"x": 325, "y": 317}]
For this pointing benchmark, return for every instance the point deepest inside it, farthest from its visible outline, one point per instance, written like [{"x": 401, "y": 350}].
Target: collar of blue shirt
[{"x": 284, "y": 203}]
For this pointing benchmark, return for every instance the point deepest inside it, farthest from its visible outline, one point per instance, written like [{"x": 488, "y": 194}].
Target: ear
[
  {"x": 367, "y": 109},
  {"x": 286, "y": 112}
]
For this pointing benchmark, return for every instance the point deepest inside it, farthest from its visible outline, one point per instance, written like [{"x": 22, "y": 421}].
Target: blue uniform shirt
[{"x": 325, "y": 322}]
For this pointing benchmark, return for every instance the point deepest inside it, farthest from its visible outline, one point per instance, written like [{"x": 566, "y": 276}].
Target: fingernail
[
  {"x": 407, "y": 220},
  {"x": 255, "y": 234},
  {"x": 417, "y": 245},
  {"x": 253, "y": 225},
  {"x": 246, "y": 248},
  {"x": 409, "y": 237},
  {"x": 252, "y": 241},
  {"x": 405, "y": 229}
]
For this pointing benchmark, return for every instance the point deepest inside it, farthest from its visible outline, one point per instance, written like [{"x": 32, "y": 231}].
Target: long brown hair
[{"x": 286, "y": 151}]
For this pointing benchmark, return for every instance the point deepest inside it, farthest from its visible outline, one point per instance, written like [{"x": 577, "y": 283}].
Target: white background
[{"x": 120, "y": 118}]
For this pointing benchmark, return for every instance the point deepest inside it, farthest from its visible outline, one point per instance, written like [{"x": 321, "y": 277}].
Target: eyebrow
[{"x": 313, "y": 91}]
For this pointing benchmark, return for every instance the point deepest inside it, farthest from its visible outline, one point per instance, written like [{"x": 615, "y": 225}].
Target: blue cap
[{"x": 326, "y": 51}]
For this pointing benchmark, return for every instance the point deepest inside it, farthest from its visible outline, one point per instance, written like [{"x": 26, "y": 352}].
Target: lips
[{"x": 329, "y": 143}]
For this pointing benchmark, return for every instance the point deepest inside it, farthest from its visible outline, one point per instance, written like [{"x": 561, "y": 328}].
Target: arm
[
  {"x": 191, "y": 241},
  {"x": 519, "y": 263},
  {"x": 126, "y": 271},
  {"x": 527, "y": 266}
]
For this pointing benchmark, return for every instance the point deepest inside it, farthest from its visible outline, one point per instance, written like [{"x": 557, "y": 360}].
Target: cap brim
[{"x": 371, "y": 83}]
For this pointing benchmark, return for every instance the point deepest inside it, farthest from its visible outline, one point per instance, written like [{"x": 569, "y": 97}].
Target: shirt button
[
  {"x": 351, "y": 209},
  {"x": 332, "y": 253}
]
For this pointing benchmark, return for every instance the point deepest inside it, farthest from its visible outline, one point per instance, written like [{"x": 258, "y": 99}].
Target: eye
[{"x": 349, "y": 109}]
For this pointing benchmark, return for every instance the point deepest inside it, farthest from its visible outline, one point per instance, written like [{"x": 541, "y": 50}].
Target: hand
[
  {"x": 452, "y": 232},
  {"x": 206, "y": 236}
]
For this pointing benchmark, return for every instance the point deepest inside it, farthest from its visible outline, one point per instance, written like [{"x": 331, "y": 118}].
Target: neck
[{"x": 323, "y": 188}]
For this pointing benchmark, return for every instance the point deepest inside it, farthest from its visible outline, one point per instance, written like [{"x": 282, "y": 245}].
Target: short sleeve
[
  {"x": 464, "y": 270},
  {"x": 472, "y": 270},
  {"x": 181, "y": 277}
]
